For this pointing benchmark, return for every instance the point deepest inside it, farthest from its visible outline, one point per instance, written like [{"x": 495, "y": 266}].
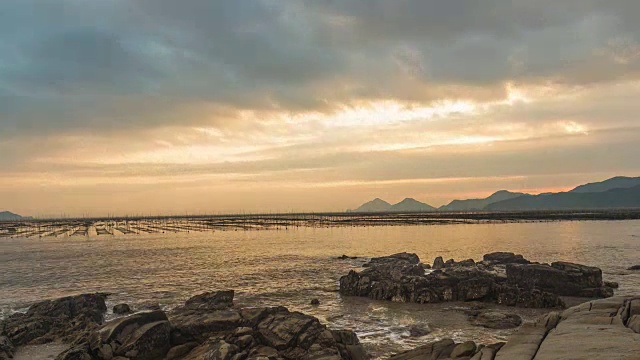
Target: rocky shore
[
  {"x": 208, "y": 326},
  {"x": 600, "y": 329},
  {"x": 502, "y": 278}
]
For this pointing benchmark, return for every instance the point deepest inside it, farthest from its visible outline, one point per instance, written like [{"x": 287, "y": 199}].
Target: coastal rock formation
[
  {"x": 502, "y": 278},
  {"x": 208, "y": 326},
  {"x": 600, "y": 329},
  {"x": 61, "y": 319},
  {"x": 449, "y": 349}
]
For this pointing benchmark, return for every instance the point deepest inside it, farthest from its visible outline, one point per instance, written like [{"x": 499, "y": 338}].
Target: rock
[
  {"x": 217, "y": 300},
  {"x": 62, "y": 319},
  {"x": 590, "y": 331},
  {"x": 465, "y": 263},
  {"x": 198, "y": 325},
  {"x": 121, "y": 309},
  {"x": 611, "y": 284},
  {"x": 177, "y": 352},
  {"x": 495, "y": 320},
  {"x": 634, "y": 268},
  {"x": 6, "y": 348},
  {"x": 449, "y": 263},
  {"x": 315, "y": 302},
  {"x": 467, "y": 348},
  {"x": 438, "y": 263},
  {"x": 221, "y": 350},
  {"x": 400, "y": 280},
  {"x": 142, "y": 336},
  {"x": 437, "y": 350},
  {"x": 345, "y": 257},
  {"x": 201, "y": 330},
  {"x": 149, "y": 306},
  {"x": 149, "y": 341},
  {"x": 419, "y": 331},
  {"x": 280, "y": 331},
  {"x": 505, "y": 258},
  {"x": 562, "y": 278}
]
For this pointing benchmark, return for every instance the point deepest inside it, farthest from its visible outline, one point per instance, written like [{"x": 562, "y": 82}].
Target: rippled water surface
[{"x": 291, "y": 267}]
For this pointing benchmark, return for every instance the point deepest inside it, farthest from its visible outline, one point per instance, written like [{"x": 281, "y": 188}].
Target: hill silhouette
[
  {"x": 624, "y": 198},
  {"x": 9, "y": 216},
  {"x": 480, "y": 204},
  {"x": 619, "y": 192},
  {"x": 618, "y": 182}
]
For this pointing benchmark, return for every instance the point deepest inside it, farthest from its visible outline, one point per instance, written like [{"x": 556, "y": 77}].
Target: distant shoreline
[{"x": 176, "y": 224}]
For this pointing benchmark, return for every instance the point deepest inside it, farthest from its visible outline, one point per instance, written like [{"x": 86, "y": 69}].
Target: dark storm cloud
[{"x": 72, "y": 64}]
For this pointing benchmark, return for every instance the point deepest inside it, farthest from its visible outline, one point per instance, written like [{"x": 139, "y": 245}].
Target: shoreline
[{"x": 201, "y": 316}]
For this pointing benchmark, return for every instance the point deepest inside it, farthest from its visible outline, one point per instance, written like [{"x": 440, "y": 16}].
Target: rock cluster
[
  {"x": 62, "y": 319},
  {"x": 449, "y": 349},
  {"x": 599, "y": 329},
  {"x": 502, "y": 278},
  {"x": 208, "y": 326}
]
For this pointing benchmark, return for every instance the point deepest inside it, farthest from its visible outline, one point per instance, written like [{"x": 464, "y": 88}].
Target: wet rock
[
  {"x": 6, "y": 348},
  {"x": 466, "y": 263},
  {"x": 56, "y": 320},
  {"x": 216, "y": 300},
  {"x": 505, "y": 258},
  {"x": 345, "y": 257},
  {"x": 148, "y": 342},
  {"x": 467, "y": 348},
  {"x": 400, "y": 280},
  {"x": 315, "y": 302},
  {"x": 194, "y": 325},
  {"x": 437, "y": 350},
  {"x": 611, "y": 284},
  {"x": 179, "y": 351},
  {"x": 438, "y": 263},
  {"x": 121, "y": 309},
  {"x": 149, "y": 306},
  {"x": 419, "y": 331},
  {"x": 562, "y": 278},
  {"x": 495, "y": 320},
  {"x": 634, "y": 268}
]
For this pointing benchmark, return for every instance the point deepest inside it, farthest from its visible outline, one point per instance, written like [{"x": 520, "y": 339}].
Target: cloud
[{"x": 352, "y": 91}]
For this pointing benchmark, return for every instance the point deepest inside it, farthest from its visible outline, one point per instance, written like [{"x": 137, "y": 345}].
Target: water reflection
[{"x": 294, "y": 266}]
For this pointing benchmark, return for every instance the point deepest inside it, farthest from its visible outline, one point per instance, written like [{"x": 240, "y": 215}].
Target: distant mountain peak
[
  {"x": 9, "y": 216},
  {"x": 479, "y": 204},
  {"x": 406, "y": 205},
  {"x": 617, "y": 182}
]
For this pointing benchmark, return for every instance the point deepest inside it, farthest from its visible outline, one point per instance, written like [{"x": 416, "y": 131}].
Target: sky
[{"x": 154, "y": 107}]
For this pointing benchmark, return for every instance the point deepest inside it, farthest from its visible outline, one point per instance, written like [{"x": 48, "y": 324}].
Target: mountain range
[
  {"x": 406, "y": 205},
  {"x": 615, "y": 193}
]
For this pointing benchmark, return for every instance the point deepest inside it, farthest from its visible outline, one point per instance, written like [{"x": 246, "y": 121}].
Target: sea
[{"x": 290, "y": 267}]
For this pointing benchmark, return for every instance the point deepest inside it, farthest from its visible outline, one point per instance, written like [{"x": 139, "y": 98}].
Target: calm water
[{"x": 290, "y": 267}]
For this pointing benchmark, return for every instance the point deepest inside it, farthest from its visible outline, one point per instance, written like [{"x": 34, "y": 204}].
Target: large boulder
[
  {"x": 142, "y": 336},
  {"x": 562, "y": 278},
  {"x": 55, "y": 320}
]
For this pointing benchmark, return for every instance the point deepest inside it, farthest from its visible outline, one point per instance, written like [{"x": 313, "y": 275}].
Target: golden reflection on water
[{"x": 290, "y": 267}]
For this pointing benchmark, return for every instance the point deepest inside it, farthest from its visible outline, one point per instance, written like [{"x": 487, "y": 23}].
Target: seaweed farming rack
[{"x": 100, "y": 227}]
